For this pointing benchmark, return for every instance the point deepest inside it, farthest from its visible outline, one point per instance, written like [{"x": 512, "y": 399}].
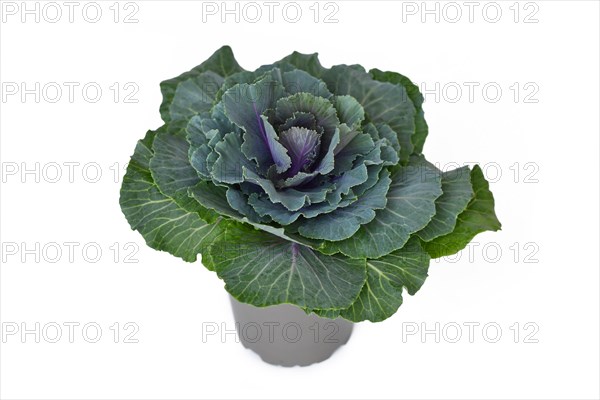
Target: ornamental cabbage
[{"x": 301, "y": 184}]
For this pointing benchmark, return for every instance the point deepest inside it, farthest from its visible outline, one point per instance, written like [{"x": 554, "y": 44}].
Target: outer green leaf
[
  {"x": 478, "y": 217},
  {"x": 172, "y": 172},
  {"x": 262, "y": 269},
  {"x": 192, "y": 96},
  {"x": 162, "y": 222},
  {"x": 456, "y": 186},
  {"x": 421, "y": 129},
  {"x": 381, "y": 295},
  {"x": 410, "y": 206},
  {"x": 170, "y": 167},
  {"x": 222, "y": 62},
  {"x": 306, "y": 62}
]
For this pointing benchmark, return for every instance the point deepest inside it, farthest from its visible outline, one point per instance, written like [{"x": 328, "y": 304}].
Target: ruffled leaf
[
  {"x": 321, "y": 108},
  {"x": 457, "y": 192},
  {"x": 383, "y": 102},
  {"x": 171, "y": 171},
  {"x": 410, "y": 206},
  {"x": 298, "y": 81},
  {"x": 302, "y": 145},
  {"x": 228, "y": 166},
  {"x": 353, "y": 144},
  {"x": 290, "y": 198},
  {"x": 344, "y": 222},
  {"x": 193, "y": 94},
  {"x": 306, "y": 62},
  {"x": 479, "y": 216},
  {"x": 349, "y": 110},
  {"x": 245, "y": 105},
  {"x": 412, "y": 90}
]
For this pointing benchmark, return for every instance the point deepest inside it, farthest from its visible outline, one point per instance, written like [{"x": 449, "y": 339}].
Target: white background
[{"x": 556, "y": 217}]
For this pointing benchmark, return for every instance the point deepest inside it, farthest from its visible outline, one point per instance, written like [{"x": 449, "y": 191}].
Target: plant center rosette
[{"x": 301, "y": 184}]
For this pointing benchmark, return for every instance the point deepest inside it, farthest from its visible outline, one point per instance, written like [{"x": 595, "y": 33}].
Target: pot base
[{"x": 285, "y": 335}]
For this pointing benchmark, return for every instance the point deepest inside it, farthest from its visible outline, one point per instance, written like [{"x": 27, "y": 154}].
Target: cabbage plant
[{"x": 301, "y": 184}]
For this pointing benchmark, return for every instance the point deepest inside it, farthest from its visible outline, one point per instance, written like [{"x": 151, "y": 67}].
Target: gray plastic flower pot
[{"x": 285, "y": 335}]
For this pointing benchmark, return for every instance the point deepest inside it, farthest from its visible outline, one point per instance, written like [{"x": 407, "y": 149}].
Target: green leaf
[
  {"x": 457, "y": 192},
  {"x": 412, "y": 90},
  {"x": 216, "y": 120},
  {"x": 345, "y": 182},
  {"x": 173, "y": 174},
  {"x": 331, "y": 314},
  {"x": 283, "y": 216},
  {"x": 239, "y": 202},
  {"x": 306, "y": 62},
  {"x": 163, "y": 223},
  {"x": 170, "y": 167},
  {"x": 344, "y": 222},
  {"x": 321, "y": 108},
  {"x": 349, "y": 110},
  {"x": 298, "y": 81},
  {"x": 410, "y": 206},
  {"x": 353, "y": 144},
  {"x": 381, "y": 296},
  {"x": 383, "y": 102},
  {"x": 385, "y": 132},
  {"x": 228, "y": 166},
  {"x": 372, "y": 178},
  {"x": 263, "y": 269},
  {"x": 478, "y": 217},
  {"x": 213, "y": 197},
  {"x": 222, "y": 63},
  {"x": 299, "y": 119},
  {"x": 245, "y": 105},
  {"x": 203, "y": 134},
  {"x": 192, "y": 95}
]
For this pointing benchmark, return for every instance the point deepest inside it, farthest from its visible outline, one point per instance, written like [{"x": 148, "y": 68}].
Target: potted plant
[{"x": 304, "y": 188}]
